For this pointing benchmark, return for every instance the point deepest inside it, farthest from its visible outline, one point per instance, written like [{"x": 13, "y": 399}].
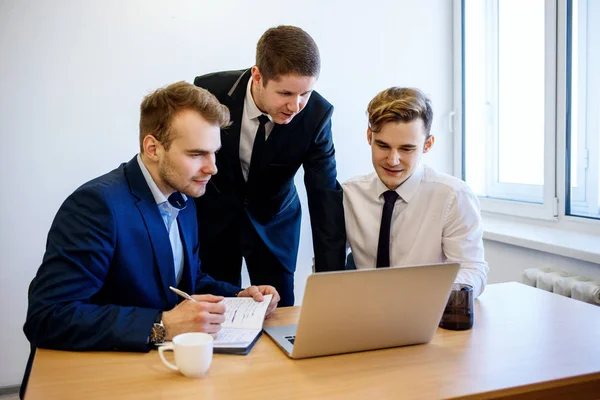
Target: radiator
[{"x": 560, "y": 282}]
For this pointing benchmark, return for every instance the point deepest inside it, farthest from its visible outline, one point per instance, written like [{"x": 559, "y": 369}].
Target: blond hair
[
  {"x": 160, "y": 107},
  {"x": 399, "y": 105}
]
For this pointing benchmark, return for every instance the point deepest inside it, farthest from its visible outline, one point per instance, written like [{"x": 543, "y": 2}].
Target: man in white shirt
[{"x": 406, "y": 213}]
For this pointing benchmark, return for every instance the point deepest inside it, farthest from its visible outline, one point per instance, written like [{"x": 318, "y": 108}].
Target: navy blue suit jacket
[
  {"x": 269, "y": 197},
  {"x": 108, "y": 267}
]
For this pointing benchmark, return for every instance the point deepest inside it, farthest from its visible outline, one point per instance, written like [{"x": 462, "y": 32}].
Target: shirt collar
[
  {"x": 252, "y": 111},
  {"x": 407, "y": 189},
  {"x": 159, "y": 197}
]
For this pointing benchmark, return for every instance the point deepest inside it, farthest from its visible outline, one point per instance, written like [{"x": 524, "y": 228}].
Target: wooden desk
[{"x": 526, "y": 343}]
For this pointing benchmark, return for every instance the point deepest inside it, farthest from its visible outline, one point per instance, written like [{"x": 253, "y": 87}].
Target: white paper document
[{"x": 243, "y": 321}]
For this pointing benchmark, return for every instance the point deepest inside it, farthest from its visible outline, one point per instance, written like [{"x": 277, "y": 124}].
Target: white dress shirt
[
  {"x": 248, "y": 130},
  {"x": 435, "y": 219}
]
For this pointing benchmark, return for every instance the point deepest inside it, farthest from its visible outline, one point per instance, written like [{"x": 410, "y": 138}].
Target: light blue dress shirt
[{"x": 169, "y": 209}]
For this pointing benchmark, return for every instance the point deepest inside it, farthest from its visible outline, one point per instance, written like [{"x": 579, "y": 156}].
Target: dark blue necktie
[
  {"x": 383, "y": 247},
  {"x": 176, "y": 200},
  {"x": 258, "y": 148}
]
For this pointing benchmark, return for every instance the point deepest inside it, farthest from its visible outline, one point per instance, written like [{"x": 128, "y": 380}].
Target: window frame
[
  {"x": 496, "y": 189},
  {"x": 555, "y": 209},
  {"x": 581, "y": 202},
  {"x": 577, "y": 195}
]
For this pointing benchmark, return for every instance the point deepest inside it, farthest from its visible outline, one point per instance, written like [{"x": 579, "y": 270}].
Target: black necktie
[
  {"x": 258, "y": 148},
  {"x": 383, "y": 248}
]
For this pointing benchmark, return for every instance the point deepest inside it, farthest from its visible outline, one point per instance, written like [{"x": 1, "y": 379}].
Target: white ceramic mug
[{"x": 193, "y": 353}]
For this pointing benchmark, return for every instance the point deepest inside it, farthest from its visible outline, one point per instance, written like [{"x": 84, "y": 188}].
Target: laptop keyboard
[{"x": 291, "y": 339}]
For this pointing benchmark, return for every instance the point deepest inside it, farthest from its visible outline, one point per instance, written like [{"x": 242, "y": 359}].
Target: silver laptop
[{"x": 348, "y": 311}]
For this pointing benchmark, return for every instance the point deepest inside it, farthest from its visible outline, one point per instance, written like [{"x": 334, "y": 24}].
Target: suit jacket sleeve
[
  {"x": 205, "y": 284},
  {"x": 79, "y": 250},
  {"x": 325, "y": 200}
]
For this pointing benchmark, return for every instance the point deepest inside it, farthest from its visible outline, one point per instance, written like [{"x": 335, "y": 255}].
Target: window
[
  {"x": 583, "y": 147},
  {"x": 529, "y": 105}
]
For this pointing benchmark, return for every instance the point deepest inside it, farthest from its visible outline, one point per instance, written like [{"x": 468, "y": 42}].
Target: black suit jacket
[{"x": 269, "y": 197}]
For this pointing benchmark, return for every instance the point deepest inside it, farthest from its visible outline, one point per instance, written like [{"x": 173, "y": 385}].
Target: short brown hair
[
  {"x": 159, "y": 108},
  {"x": 399, "y": 105},
  {"x": 287, "y": 50}
]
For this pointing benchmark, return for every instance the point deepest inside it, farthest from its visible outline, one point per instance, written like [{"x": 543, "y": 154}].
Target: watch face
[{"x": 158, "y": 333}]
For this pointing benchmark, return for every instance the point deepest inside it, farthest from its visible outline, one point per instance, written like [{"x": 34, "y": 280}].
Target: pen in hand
[{"x": 182, "y": 294}]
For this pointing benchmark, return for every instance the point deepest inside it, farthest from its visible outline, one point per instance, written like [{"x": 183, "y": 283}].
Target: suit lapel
[
  {"x": 159, "y": 237},
  {"x": 190, "y": 268},
  {"x": 279, "y": 135},
  {"x": 230, "y": 136}
]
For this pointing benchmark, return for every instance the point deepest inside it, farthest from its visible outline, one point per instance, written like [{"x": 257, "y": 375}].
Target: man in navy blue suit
[
  {"x": 251, "y": 209},
  {"x": 119, "y": 241}
]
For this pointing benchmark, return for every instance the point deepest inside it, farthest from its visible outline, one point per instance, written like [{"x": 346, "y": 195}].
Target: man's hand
[
  {"x": 203, "y": 315},
  {"x": 257, "y": 293}
]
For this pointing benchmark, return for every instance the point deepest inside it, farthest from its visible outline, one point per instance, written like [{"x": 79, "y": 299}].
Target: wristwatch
[{"x": 158, "y": 333}]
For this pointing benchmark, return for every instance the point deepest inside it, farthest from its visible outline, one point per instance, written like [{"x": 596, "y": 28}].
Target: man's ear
[
  {"x": 428, "y": 143},
  {"x": 152, "y": 147},
  {"x": 369, "y": 135},
  {"x": 256, "y": 76}
]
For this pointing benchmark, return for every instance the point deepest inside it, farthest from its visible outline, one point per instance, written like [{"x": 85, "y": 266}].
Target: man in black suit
[{"x": 251, "y": 208}]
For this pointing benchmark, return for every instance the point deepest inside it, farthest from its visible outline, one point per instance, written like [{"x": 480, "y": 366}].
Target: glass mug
[{"x": 458, "y": 314}]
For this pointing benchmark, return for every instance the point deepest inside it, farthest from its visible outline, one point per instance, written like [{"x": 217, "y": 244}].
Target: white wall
[{"x": 73, "y": 73}]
